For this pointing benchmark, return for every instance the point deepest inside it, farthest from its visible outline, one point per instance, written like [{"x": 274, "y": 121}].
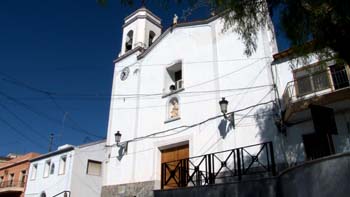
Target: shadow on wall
[
  {"x": 287, "y": 151},
  {"x": 224, "y": 128}
]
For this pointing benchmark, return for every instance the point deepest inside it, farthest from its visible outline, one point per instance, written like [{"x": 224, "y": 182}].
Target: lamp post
[
  {"x": 117, "y": 137},
  {"x": 223, "y": 106},
  {"x": 122, "y": 145}
]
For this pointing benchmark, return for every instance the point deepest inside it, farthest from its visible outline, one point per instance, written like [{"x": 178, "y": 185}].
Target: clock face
[{"x": 125, "y": 73}]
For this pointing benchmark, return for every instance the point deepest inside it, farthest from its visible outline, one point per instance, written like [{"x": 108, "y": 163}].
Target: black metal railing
[
  {"x": 308, "y": 85},
  {"x": 225, "y": 165},
  {"x": 6, "y": 184},
  {"x": 63, "y": 193}
]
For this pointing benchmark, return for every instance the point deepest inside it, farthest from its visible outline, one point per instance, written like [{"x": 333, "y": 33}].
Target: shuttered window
[
  {"x": 62, "y": 168},
  {"x": 34, "y": 170},
  {"x": 47, "y": 168},
  {"x": 94, "y": 168}
]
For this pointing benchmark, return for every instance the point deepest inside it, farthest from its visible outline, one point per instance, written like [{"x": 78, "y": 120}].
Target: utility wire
[
  {"x": 46, "y": 93},
  {"x": 185, "y": 127},
  {"x": 185, "y": 103},
  {"x": 193, "y": 62},
  {"x": 149, "y": 96},
  {"x": 46, "y": 116},
  {"x": 22, "y": 84},
  {"x": 20, "y": 133},
  {"x": 23, "y": 122}
]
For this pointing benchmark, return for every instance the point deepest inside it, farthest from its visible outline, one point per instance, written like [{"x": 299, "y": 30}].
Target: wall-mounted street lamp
[
  {"x": 223, "y": 106},
  {"x": 117, "y": 138}
]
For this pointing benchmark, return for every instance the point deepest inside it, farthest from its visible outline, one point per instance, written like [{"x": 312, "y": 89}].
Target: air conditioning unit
[{"x": 178, "y": 84}]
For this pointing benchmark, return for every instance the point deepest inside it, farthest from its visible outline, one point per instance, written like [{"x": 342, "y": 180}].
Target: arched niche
[{"x": 173, "y": 108}]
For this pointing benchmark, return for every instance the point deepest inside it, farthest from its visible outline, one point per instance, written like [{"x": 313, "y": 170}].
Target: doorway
[
  {"x": 174, "y": 162},
  {"x": 318, "y": 145}
]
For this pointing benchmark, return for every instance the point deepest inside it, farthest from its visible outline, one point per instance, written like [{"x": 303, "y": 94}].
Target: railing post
[
  {"x": 162, "y": 175},
  {"x": 211, "y": 170},
  {"x": 239, "y": 164},
  {"x": 183, "y": 178},
  {"x": 272, "y": 155}
]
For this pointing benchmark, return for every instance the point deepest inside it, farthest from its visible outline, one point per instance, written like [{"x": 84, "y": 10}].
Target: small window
[
  {"x": 94, "y": 168},
  {"x": 173, "y": 108},
  {"x": 52, "y": 169},
  {"x": 11, "y": 179},
  {"x": 47, "y": 168},
  {"x": 62, "y": 168},
  {"x": 23, "y": 177},
  {"x": 151, "y": 38},
  {"x": 173, "y": 78},
  {"x": 1, "y": 181},
  {"x": 34, "y": 171},
  {"x": 129, "y": 41}
]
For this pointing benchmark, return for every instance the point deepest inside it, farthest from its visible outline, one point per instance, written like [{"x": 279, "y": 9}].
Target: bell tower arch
[{"x": 140, "y": 29}]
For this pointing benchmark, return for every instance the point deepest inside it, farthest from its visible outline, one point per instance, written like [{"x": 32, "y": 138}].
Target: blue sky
[{"x": 56, "y": 69}]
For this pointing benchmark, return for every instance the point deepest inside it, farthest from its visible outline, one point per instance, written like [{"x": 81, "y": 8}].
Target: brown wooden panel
[{"x": 171, "y": 157}]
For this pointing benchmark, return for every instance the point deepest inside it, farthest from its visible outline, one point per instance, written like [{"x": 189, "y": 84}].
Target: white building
[
  {"x": 301, "y": 83},
  {"x": 165, "y": 99},
  {"x": 68, "y": 171}
]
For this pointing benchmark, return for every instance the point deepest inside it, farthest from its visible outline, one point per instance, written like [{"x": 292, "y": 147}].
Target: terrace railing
[
  {"x": 225, "y": 165},
  {"x": 318, "y": 83},
  {"x": 6, "y": 184}
]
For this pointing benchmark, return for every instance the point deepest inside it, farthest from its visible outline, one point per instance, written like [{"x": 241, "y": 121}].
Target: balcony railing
[
  {"x": 7, "y": 184},
  {"x": 319, "y": 83},
  {"x": 219, "y": 167}
]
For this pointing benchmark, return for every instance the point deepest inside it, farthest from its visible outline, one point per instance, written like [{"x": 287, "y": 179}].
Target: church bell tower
[{"x": 140, "y": 29}]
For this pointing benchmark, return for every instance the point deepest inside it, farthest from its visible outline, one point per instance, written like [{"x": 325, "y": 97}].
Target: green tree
[{"x": 325, "y": 22}]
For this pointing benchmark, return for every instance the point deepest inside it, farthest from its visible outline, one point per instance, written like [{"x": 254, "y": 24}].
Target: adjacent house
[
  {"x": 14, "y": 175},
  {"x": 68, "y": 171},
  {"x": 315, "y": 99},
  {"x": 187, "y": 105}
]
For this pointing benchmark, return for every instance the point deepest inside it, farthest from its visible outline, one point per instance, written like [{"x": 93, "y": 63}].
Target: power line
[
  {"x": 185, "y": 103},
  {"x": 253, "y": 108},
  {"x": 194, "y": 62},
  {"x": 149, "y": 96},
  {"x": 16, "y": 82},
  {"x": 20, "y": 133},
  {"x": 22, "y": 121},
  {"x": 45, "y": 115},
  {"x": 47, "y": 93},
  {"x": 185, "y": 127}
]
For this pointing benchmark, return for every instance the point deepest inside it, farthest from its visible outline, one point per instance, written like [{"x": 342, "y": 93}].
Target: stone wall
[
  {"x": 144, "y": 189},
  {"x": 329, "y": 176},
  {"x": 324, "y": 177}
]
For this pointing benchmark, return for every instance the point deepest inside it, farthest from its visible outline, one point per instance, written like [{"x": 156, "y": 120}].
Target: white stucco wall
[
  {"x": 211, "y": 61},
  {"x": 75, "y": 178},
  {"x": 83, "y": 184},
  {"x": 54, "y": 183}
]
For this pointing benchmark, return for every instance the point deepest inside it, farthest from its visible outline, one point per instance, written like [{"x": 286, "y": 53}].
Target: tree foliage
[{"x": 325, "y": 22}]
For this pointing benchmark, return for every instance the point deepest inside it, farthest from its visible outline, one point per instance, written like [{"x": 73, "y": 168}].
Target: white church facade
[{"x": 165, "y": 102}]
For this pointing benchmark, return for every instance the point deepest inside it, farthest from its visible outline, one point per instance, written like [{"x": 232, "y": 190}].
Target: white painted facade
[
  {"x": 301, "y": 123},
  {"x": 213, "y": 66},
  {"x": 70, "y": 177}
]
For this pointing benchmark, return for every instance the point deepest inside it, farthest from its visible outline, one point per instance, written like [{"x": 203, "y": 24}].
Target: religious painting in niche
[{"x": 173, "y": 108}]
